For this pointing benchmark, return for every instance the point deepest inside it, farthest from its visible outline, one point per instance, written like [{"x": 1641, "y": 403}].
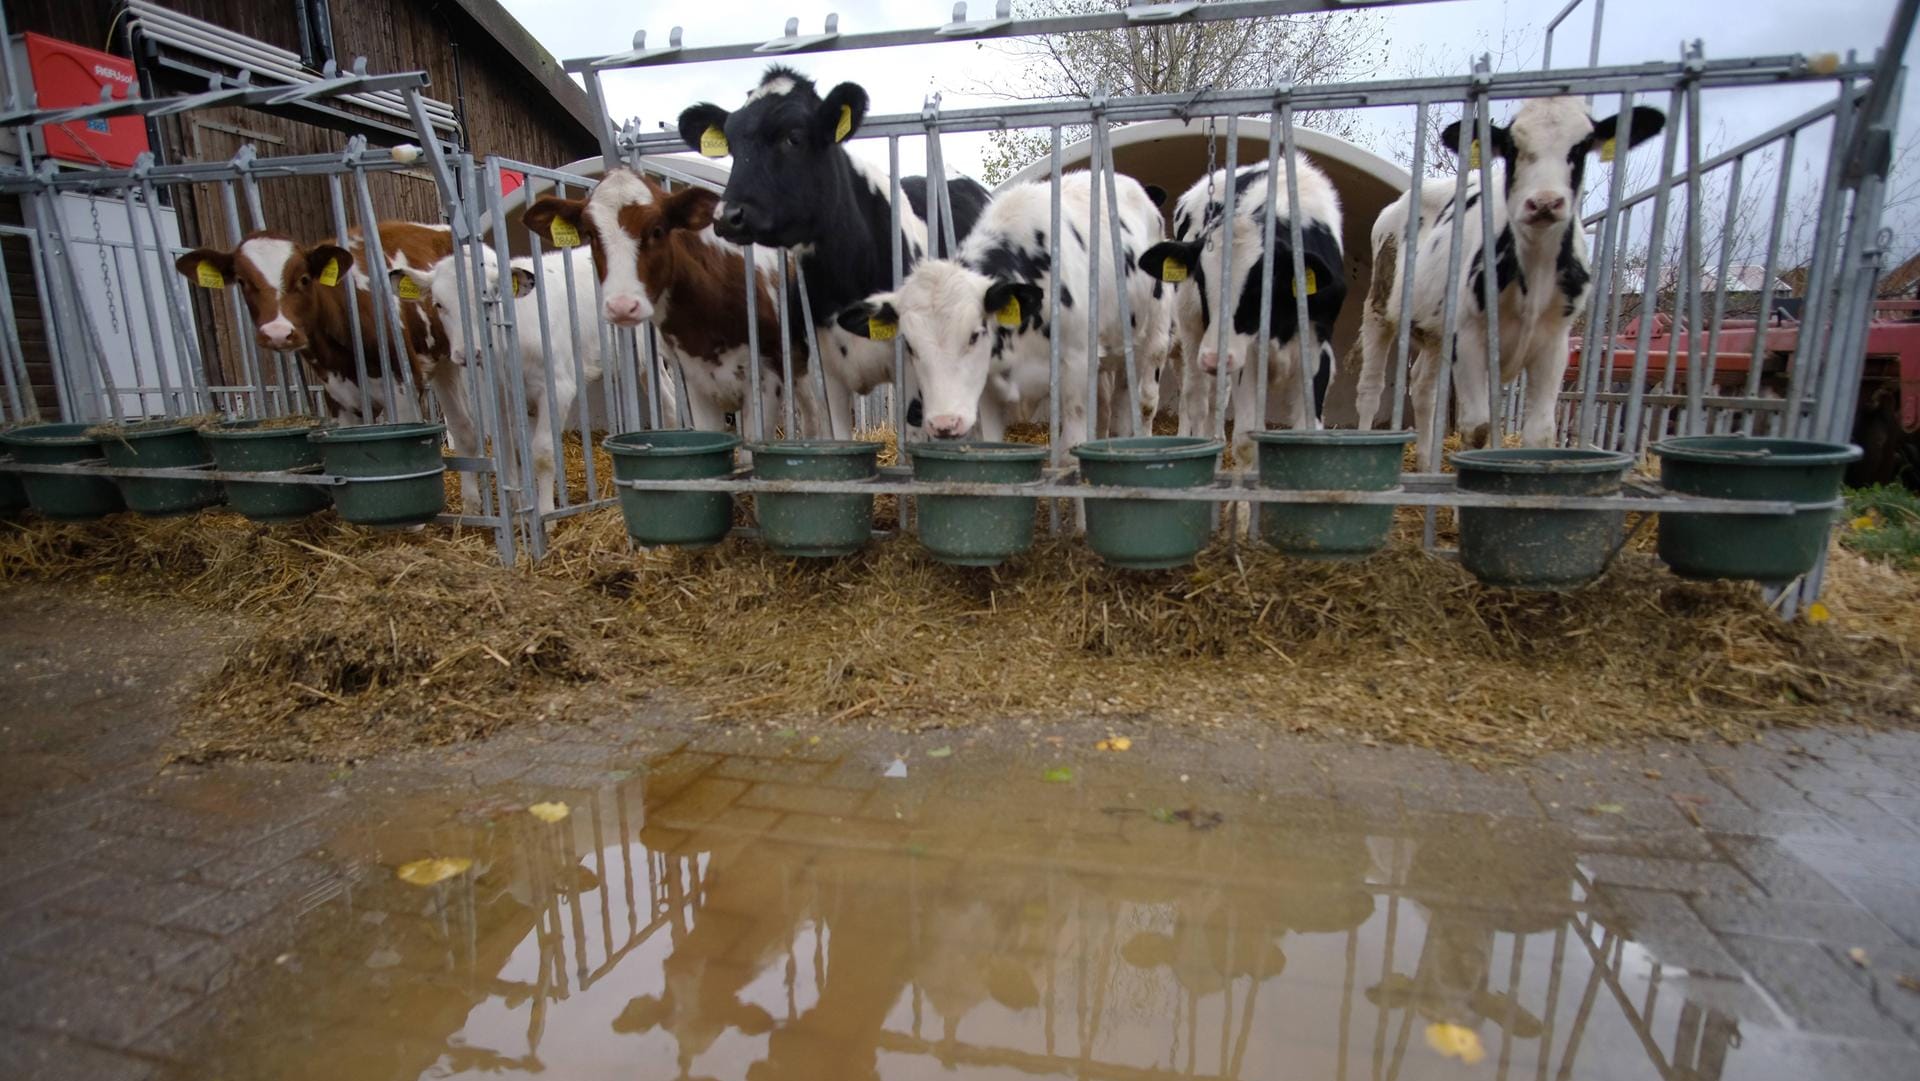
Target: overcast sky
[{"x": 1443, "y": 31}]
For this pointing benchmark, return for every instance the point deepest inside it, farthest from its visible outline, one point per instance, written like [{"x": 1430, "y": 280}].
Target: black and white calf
[
  {"x": 793, "y": 185},
  {"x": 1193, "y": 260},
  {"x": 1540, "y": 264},
  {"x": 976, "y": 327}
]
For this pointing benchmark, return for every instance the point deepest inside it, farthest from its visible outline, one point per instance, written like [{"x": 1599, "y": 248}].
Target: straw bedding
[{"x": 351, "y": 642}]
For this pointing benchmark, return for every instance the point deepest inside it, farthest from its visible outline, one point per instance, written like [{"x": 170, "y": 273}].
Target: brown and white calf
[
  {"x": 658, "y": 258},
  {"x": 297, "y": 297}
]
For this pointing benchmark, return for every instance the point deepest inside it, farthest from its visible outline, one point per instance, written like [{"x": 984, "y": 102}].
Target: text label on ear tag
[
  {"x": 880, "y": 330},
  {"x": 406, "y": 288},
  {"x": 1173, "y": 270},
  {"x": 1009, "y": 313},
  {"x": 713, "y": 143},
  {"x": 1473, "y": 155},
  {"x": 330, "y": 274},
  {"x": 1313, "y": 282},
  {"x": 208, "y": 276},
  {"x": 564, "y": 234},
  {"x": 845, "y": 127},
  {"x": 1607, "y": 150}
]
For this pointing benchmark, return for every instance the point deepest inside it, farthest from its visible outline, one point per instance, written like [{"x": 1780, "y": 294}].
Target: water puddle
[{"x": 771, "y": 918}]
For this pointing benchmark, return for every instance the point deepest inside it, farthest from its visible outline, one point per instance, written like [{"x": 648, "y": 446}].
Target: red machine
[{"x": 65, "y": 75}]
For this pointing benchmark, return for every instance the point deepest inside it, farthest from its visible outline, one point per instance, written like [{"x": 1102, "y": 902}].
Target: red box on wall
[{"x": 66, "y": 75}]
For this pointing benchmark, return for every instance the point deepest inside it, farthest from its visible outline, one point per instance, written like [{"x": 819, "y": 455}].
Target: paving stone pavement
[{"x": 1779, "y": 882}]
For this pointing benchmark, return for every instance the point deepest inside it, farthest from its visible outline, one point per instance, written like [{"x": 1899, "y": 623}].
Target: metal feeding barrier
[{"x": 1668, "y": 342}]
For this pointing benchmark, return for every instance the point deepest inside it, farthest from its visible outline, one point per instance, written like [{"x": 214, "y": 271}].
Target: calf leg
[
  {"x": 1546, "y": 367},
  {"x": 1470, "y": 383},
  {"x": 1427, "y": 407},
  {"x": 1376, "y": 349},
  {"x": 542, "y": 441}
]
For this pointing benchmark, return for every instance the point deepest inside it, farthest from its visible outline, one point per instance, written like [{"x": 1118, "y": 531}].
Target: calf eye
[
  {"x": 795, "y": 137},
  {"x": 974, "y": 337},
  {"x": 656, "y": 233}
]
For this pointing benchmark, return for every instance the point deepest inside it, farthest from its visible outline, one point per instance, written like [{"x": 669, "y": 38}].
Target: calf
[
  {"x": 793, "y": 185},
  {"x": 658, "y": 258},
  {"x": 297, "y": 297},
  {"x": 1193, "y": 260},
  {"x": 440, "y": 287},
  {"x": 976, "y": 327},
  {"x": 1540, "y": 262}
]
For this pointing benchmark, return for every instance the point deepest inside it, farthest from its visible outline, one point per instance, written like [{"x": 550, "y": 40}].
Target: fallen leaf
[
  {"x": 1456, "y": 1041},
  {"x": 1115, "y": 743},
  {"x": 1608, "y": 809},
  {"x": 1858, "y": 956},
  {"x": 435, "y": 869},
  {"x": 1162, "y": 816},
  {"x": 940, "y": 752},
  {"x": 1652, "y": 774},
  {"x": 1057, "y": 775},
  {"x": 549, "y": 812},
  {"x": 1818, "y": 613},
  {"x": 1908, "y": 983},
  {"x": 1865, "y": 521},
  {"x": 813, "y": 741}
]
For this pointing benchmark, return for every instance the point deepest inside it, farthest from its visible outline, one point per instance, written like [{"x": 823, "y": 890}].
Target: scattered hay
[{"x": 359, "y": 641}]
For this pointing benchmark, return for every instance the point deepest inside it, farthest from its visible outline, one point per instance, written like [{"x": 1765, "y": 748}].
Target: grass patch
[{"x": 1884, "y": 525}]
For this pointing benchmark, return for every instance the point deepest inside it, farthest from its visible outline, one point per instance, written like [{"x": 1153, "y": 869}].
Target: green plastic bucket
[
  {"x": 1148, "y": 534},
  {"x": 161, "y": 446},
  {"x": 1762, "y": 547},
  {"x": 969, "y": 530},
  {"x": 1329, "y": 460},
  {"x": 393, "y": 472},
  {"x": 13, "y": 495},
  {"x": 815, "y": 525},
  {"x": 71, "y": 498},
  {"x": 1539, "y": 549},
  {"x": 245, "y": 447},
  {"x": 688, "y": 519}
]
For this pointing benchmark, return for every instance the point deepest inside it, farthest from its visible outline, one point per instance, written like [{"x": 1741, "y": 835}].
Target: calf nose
[
  {"x": 623, "y": 309},
  {"x": 1546, "y": 206},
  {"x": 1210, "y": 362},
  {"x": 730, "y": 216},
  {"x": 946, "y": 425},
  {"x": 278, "y": 332}
]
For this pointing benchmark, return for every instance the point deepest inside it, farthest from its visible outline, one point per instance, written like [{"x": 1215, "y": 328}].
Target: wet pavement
[{"x": 988, "y": 904}]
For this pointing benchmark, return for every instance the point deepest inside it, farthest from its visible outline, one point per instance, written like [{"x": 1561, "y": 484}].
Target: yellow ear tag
[
  {"x": 406, "y": 288},
  {"x": 880, "y": 330},
  {"x": 1473, "y": 155},
  {"x": 1313, "y": 283},
  {"x": 713, "y": 143},
  {"x": 1009, "y": 313},
  {"x": 564, "y": 234},
  {"x": 1607, "y": 150},
  {"x": 330, "y": 274},
  {"x": 1173, "y": 271},
  {"x": 845, "y": 127},
  {"x": 208, "y": 276}
]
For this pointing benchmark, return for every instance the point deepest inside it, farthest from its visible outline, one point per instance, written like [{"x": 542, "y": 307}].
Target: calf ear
[
  {"x": 874, "y": 318},
  {"x": 1322, "y": 277},
  {"x": 548, "y": 209},
  {"x": 522, "y": 280},
  {"x": 697, "y": 120},
  {"x": 1014, "y": 304},
  {"x": 215, "y": 263},
  {"x": 840, "y": 114},
  {"x": 1170, "y": 261},
  {"x": 408, "y": 283},
  {"x": 1156, "y": 195},
  {"x": 1644, "y": 124},
  {"x": 329, "y": 263},
  {"x": 690, "y": 208}
]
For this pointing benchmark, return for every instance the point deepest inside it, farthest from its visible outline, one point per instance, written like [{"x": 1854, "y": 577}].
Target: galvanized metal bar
[
  {"x": 511, "y": 366},
  {"x": 556, "y": 419},
  {"x": 1727, "y": 227},
  {"x": 650, "y": 359},
  {"x": 308, "y": 476},
  {"x": 37, "y": 257},
  {"x": 1120, "y": 276},
  {"x": 1806, "y": 353},
  {"x": 1263, "y": 374},
  {"x": 754, "y": 422},
  {"x": 816, "y": 363},
  {"x": 386, "y": 308},
  {"x": 1783, "y": 183},
  {"x": 1056, "y": 448},
  {"x": 193, "y": 370},
  {"x": 1695, "y": 423},
  {"x": 1442, "y": 392},
  {"x": 337, "y": 203},
  {"x": 1409, "y": 254},
  {"x": 237, "y": 309},
  {"x": 896, "y": 247},
  {"x": 582, "y": 400},
  {"x": 1222, "y": 377},
  {"x": 937, "y": 190},
  {"x": 786, "y": 351},
  {"x": 1596, "y": 353},
  {"x": 1489, "y": 266},
  {"x": 1651, "y": 285},
  {"x": 1305, "y": 345},
  {"x": 173, "y": 402},
  {"x": 1092, "y": 361}
]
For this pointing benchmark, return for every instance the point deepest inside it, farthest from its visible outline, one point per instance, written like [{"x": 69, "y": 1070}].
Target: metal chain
[
  {"x": 1213, "y": 150},
  {"x": 106, "y": 274}
]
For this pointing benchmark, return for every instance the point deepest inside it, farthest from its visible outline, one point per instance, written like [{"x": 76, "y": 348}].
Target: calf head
[
  {"x": 788, "y": 168},
  {"x": 630, "y": 221},
  {"x": 439, "y": 289},
  {"x": 956, "y": 324},
  {"x": 287, "y": 288},
  {"x": 1194, "y": 268},
  {"x": 1545, "y": 151}
]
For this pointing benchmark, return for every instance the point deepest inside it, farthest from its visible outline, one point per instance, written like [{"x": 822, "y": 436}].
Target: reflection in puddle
[{"x": 705, "y": 921}]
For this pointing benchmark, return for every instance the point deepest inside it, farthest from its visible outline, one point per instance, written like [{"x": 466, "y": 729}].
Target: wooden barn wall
[{"x": 506, "y": 112}]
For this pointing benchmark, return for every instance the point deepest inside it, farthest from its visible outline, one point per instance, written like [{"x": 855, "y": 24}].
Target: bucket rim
[
  {"x": 1148, "y": 448},
  {"x": 1560, "y": 460},
  {"x": 1353, "y": 437},
  {"x": 980, "y": 451},
  {"x": 647, "y": 444},
  {"x": 1765, "y": 452},
  {"x": 821, "y": 448},
  {"x": 51, "y": 435},
  {"x": 249, "y": 429},
  {"x": 368, "y": 433}
]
